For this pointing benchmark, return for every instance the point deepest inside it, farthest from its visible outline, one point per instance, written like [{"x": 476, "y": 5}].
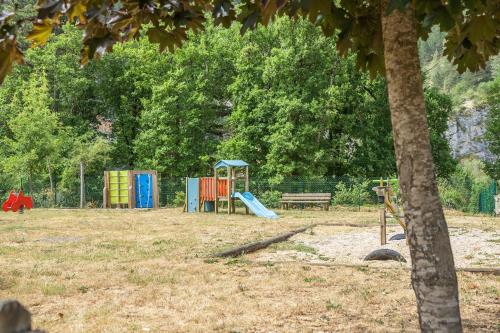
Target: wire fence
[{"x": 464, "y": 194}]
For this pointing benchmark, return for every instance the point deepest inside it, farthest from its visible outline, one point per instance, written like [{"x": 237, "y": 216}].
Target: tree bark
[
  {"x": 434, "y": 278},
  {"x": 82, "y": 185}
]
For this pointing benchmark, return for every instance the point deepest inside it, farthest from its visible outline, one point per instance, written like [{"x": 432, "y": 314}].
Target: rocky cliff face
[{"x": 466, "y": 133}]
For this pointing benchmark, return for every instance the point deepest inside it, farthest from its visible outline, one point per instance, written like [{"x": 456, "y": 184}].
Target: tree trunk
[
  {"x": 51, "y": 181},
  {"x": 82, "y": 185},
  {"x": 434, "y": 278}
]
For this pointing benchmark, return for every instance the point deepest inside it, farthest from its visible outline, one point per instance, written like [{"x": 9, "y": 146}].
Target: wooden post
[
  {"x": 156, "y": 194},
  {"x": 82, "y": 185},
  {"x": 184, "y": 209},
  {"x": 105, "y": 194},
  {"x": 216, "y": 192},
  {"x": 383, "y": 231},
  {"x": 233, "y": 189},
  {"x": 199, "y": 195},
  {"x": 247, "y": 186},
  {"x": 229, "y": 190},
  {"x": 131, "y": 189}
]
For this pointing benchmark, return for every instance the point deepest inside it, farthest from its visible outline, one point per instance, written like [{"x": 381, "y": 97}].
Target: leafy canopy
[{"x": 472, "y": 26}]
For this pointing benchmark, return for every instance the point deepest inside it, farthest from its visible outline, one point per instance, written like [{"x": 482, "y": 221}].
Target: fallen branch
[{"x": 252, "y": 247}]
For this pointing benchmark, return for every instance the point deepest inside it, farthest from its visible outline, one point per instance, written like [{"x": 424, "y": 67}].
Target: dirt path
[{"x": 471, "y": 247}]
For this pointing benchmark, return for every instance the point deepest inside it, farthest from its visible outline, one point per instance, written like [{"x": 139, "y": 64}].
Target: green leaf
[
  {"x": 166, "y": 39},
  {"x": 481, "y": 28}
]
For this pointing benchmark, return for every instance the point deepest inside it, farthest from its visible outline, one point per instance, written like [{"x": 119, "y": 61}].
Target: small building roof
[{"x": 230, "y": 163}]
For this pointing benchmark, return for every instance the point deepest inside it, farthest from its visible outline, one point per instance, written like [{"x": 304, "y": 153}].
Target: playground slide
[{"x": 255, "y": 205}]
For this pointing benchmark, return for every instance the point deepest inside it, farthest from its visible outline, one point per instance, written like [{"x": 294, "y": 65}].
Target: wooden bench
[{"x": 322, "y": 199}]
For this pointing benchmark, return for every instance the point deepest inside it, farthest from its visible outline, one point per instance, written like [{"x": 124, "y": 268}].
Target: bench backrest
[{"x": 306, "y": 196}]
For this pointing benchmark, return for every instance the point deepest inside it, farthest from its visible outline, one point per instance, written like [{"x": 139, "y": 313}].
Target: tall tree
[
  {"x": 384, "y": 36},
  {"x": 174, "y": 126},
  {"x": 34, "y": 144},
  {"x": 433, "y": 274}
]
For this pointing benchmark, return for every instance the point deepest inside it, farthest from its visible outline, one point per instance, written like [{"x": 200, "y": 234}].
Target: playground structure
[
  {"x": 390, "y": 209},
  {"x": 17, "y": 201},
  {"x": 130, "y": 188},
  {"x": 210, "y": 193}
]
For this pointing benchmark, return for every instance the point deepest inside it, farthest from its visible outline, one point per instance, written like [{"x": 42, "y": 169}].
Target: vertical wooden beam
[
  {"x": 131, "y": 189},
  {"x": 82, "y": 186},
  {"x": 247, "y": 180},
  {"x": 156, "y": 193},
  {"x": 229, "y": 190},
  {"x": 185, "y": 208},
  {"x": 247, "y": 185},
  {"x": 105, "y": 190},
  {"x": 216, "y": 192},
  {"x": 233, "y": 190},
  {"x": 383, "y": 224},
  {"x": 199, "y": 195}
]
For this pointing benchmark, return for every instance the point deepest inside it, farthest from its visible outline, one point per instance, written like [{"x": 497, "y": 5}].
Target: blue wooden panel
[
  {"x": 193, "y": 188},
  {"x": 144, "y": 191}
]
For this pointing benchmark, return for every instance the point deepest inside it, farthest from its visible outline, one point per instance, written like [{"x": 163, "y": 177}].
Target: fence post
[
  {"x": 383, "y": 231},
  {"x": 82, "y": 185}
]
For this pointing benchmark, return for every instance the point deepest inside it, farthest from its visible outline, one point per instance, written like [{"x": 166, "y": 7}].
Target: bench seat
[{"x": 322, "y": 199}]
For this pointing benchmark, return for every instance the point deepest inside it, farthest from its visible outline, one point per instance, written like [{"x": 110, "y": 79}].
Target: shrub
[
  {"x": 271, "y": 199},
  {"x": 461, "y": 190},
  {"x": 179, "y": 199},
  {"x": 355, "y": 194}
]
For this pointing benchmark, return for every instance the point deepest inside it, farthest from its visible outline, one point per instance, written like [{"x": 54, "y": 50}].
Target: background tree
[
  {"x": 89, "y": 154},
  {"x": 34, "y": 143},
  {"x": 174, "y": 126},
  {"x": 492, "y": 97}
]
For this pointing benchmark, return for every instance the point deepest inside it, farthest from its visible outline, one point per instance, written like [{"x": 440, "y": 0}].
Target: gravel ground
[{"x": 341, "y": 245}]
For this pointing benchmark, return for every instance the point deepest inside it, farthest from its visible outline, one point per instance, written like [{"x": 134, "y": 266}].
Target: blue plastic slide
[{"x": 255, "y": 205}]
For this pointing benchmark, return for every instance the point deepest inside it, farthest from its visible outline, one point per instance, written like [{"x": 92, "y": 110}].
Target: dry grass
[{"x": 139, "y": 271}]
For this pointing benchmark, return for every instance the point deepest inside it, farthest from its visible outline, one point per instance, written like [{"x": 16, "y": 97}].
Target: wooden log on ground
[{"x": 252, "y": 247}]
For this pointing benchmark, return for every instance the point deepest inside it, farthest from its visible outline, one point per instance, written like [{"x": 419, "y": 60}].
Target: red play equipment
[
  {"x": 207, "y": 188},
  {"x": 17, "y": 201}
]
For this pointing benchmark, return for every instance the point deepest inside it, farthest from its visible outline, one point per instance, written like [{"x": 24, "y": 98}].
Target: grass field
[{"x": 152, "y": 271}]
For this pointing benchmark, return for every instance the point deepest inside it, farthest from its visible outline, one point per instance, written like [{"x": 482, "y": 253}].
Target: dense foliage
[
  {"x": 471, "y": 40},
  {"x": 279, "y": 98},
  {"x": 442, "y": 74}
]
